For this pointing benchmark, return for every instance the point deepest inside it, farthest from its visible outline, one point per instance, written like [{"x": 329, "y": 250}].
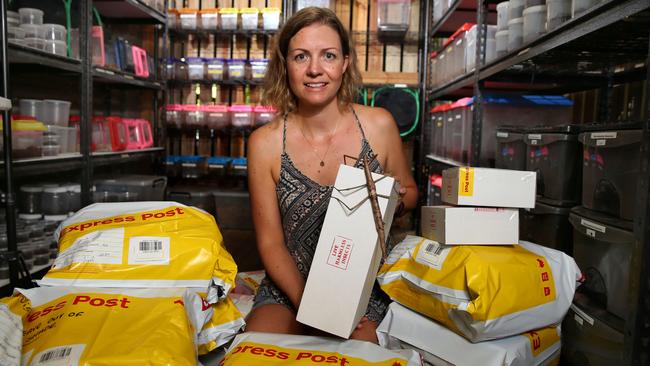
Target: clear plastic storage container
[
  {"x": 54, "y": 32},
  {"x": 263, "y": 114},
  {"x": 515, "y": 33},
  {"x": 55, "y": 201},
  {"x": 236, "y": 69},
  {"x": 393, "y": 16},
  {"x": 502, "y": 42},
  {"x": 174, "y": 115},
  {"x": 200, "y": 197},
  {"x": 56, "y": 112},
  {"x": 241, "y": 115},
  {"x": 194, "y": 115},
  {"x": 55, "y": 47},
  {"x": 502, "y": 15},
  {"x": 258, "y": 69},
  {"x": 217, "y": 116},
  {"x": 36, "y": 43},
  {"x": 228, "y": 17},
  {"x": 300, "y": 4},
  {"x": 209, "y": 19},
  {"x": 189, "y": 19},
  {"x": 30, "y": 16},
  {"x": 534, "y": 22},
  {"x": 249, "y": 18},
  {"x": 271, "y": 18},
  {"x": 27, "y": 139},
  {"x": 515, "y": 9},
  {"x": 32, "y": 108},
  {"x": 29, "y": 199},
  {"x": 145, "y": 187},
  {"x": 196, "y": 68},
  {"x": 31, "y": 30},
  {"x": 172, "y": 18},
  {"x": 215, "y": 68},
  {"x": 558, "y": 11},
  {"x": 15, "y": 33},
  {"x": 74, "y": 198}
]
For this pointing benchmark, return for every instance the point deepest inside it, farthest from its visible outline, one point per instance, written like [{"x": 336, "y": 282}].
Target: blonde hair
[{"x": 277, "y": 91}]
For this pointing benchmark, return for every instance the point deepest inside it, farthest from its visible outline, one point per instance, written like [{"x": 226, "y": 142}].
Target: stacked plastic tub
[
  {"x": 510, "y": 148},
  {"x": 57, "y": 137},
  {"x": 26, "y": 28},
  {"x": 130, "y": 188},
  {"x": 603, "y": 242}
]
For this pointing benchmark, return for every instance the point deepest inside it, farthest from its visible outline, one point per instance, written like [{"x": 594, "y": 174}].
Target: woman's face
[{"x": 315, "y": 65}]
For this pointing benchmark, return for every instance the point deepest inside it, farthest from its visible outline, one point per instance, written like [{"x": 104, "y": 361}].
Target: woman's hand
[{"x": 366, "y": 330}]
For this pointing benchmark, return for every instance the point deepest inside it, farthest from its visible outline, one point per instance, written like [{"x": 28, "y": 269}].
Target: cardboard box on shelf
[
  {"x": 470, "y": 225},
  {"x": 348, "y": 253},
  {"x": 466, "y": 186}
]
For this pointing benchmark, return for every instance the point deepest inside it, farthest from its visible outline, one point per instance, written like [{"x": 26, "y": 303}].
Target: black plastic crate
[
  {"x": 510, "y": 151},
  {"x": 602, "y": 248},
  {"x": 554, "y": 153},
  {"x": 591, "y": 336},
  {"x": 196, "y": 196},
  {"x": 547, "y": 225},
  {"x": 611, "y": 168}
]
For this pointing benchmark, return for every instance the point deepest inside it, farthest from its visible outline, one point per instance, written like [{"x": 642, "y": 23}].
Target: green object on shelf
[
  {"x": 247, "y": 94},
  {"x": 67, "y": 5},
  {"x": 416, "y": 96}
]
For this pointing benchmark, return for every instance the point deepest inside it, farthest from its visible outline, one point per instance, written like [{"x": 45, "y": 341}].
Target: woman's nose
[{"x": 314, "y": 68}]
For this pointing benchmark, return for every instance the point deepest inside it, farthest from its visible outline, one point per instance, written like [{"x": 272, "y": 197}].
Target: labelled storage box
[
  {"x": 249, "y": 18},
  {"x": 271, "y": 18},
  {"x": 457, "y": 135},
  {"x": 118, "y": 133},
  {"x": 193, "y": 167},
  {"x": 602, "y": 248},
  {"x": 263, "y": 115},
  {"x": 209, "y": 19},
  {"x": 232, "y": 209},
  {"x": 558, "y": 12},
  {"x": 228, "y": 18},
  {"x": 534, "y": 22},
  {"x": 216, "y": 116},
  {"x": 196, "y": 68},
  {"x": 547, "y": 225},
  {"x": 241, "y": 115},
  {"x": 258, "y": 69},
  {"x": 591, "y": 336},
  {"x": 554, "y": 153},
  {"x": 215, "y": 68},
  {"x": 195, "y": 196},
  {"x": 610, "y": 165},
  {"x": 236, "y": 69},
  {"x": 189, "y": 19},
  {"x": 510, "y": 148}
]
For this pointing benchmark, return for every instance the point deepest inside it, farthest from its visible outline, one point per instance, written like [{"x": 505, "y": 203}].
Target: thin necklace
[{"x": 322, "y": 159}]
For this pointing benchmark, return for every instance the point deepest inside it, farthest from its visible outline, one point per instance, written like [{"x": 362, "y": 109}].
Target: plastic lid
[
  {"x": 259, "y": 61},
  {"x": 172, "y": 11},
  {"x": 271, "y": 10},
  {"x": 55, "y": 190},
  {"x": 215, "y": 108},
  {"x": 191, "y": 159},
  {"x": 463, "y": 102},
  {"x": 174, "y": 107},
  {"x": 29, "y": 216},
  {"x": 194, "y": 59},
  {"x": 55, "y": 26},
  {"x": 219, "y": 160},
  {"x": 228, "y": 11},
  {"x": 240, "y": 108},
  {"x": 263, "y": 108},
  {"x": 26, "y": 125},
  {"x": 236, "y": 61},
  {"x": 190, "y": 107},
  {"x": 535, "y": 9},
  {"x": 55, "y": 217},
  {"x": 249, "y": 10},
  {"x": 516, "y": 21},
  {"x": 501, "y": 33},
  {"x": 30, "y": 10},
  {"x": 31, "y": 188},
  {"x": 213, "y": 59},
  {"x": 188, "y": 11},
  {"x": 209, "y": 11},
  {"x": 74, "y": 188}
]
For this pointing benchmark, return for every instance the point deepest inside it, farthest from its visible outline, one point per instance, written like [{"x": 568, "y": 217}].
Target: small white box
[
  {"x": 470, "y": 225},
  {"x": 489, "y": 187},
  {"x": 348, "y": 253}
]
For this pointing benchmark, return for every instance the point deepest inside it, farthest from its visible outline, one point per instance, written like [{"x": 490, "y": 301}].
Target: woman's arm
[{"x": 277, "y": 261}]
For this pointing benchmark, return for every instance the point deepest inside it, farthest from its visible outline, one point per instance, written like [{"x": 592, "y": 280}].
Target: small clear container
[
  {"x": 228, "y": 18},
  {"x": 559, "y": 11},
  {"x": 30, "y": 16},
  {"x": 194, "y": 115},
  {"x": 258, "y": 69},
  {"x": 215, "y": 68},
  {"x": 515, "y": 9},
  {"x": 174, "y": 115},
  {"x": 241, "y": 115},
  {"x": 26, "y": 138},
  {"x": 30, "y": 199},
  {"x": 56, "y": 112},
  {"x": 502, "y": 15},
  {"x": 181, "y": 71},
  {"x": 189, "y": 19},
  {"x": 53, "y": 32},
  {"x": 74, "y": 197},
  {"x": 300, "y": 4},
  {"x": 31, "y": 30},
  {"x": 14, "y": 33},
  {"x": 13, "y": 15},
  {"x": 249, "y": 18},
  {"x": 515, "y": 33},
  {"x": 22, "y": 235},
  {"x": 263, "y": 115},
  {"x": 13, "y": 23},
  {"x": 196, "y": 68},
  {"x": 209, "y": 19},
  {"x": 534, "y": 22},
  {"x": 236, "y": 69},
  {"x": 502, "y": 42},
  {"x": 32, "y": 108},
  {"x": 217, "y": 116},
  {"x": 172, "y": 18},
  {"x": 54, "y": 201},
  {"x": 393, "y": 16},
  {"x": 55, "y": 47},
  {"x": 271, "y": 18},
  {"x": 51, "y": 150},
  {"x": 36, "y": 43}
]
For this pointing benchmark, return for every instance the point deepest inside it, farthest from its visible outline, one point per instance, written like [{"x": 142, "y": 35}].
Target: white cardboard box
[
  {"x": 489, "y": 187},
  {"x": 470, "y": 225},
  {"x": 348, "y": 254}
]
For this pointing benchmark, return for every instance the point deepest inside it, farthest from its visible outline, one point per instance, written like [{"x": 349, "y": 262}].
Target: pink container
[
  {"x": 118, "y": 133},
  {"x": 140, "y": 62},
  {"x": 263, "y": 114},
  {"x": 241, "y": 115},
  {"x": 145, "y": 134},
  {"x": 99, "y": 53},
  {"x": 216, "y": 116}
]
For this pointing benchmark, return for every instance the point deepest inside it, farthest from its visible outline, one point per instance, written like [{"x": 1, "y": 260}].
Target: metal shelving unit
[
  {"x": 608, "y": 45},
  {"x": 20, "y": 58}
]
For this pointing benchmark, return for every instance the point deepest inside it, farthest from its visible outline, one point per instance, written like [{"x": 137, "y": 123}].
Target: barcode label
[
  {"x": 432, "y": 253},
  {"x": 502, "y": 134},
  {"x": 55, "y": 355},
  {"x": 152, "y": 250}
]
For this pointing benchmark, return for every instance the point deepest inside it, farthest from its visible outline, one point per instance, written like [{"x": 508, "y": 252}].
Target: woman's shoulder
[
  {"x": 267, "y": 139},
  {"x": 373, "y": 118}
]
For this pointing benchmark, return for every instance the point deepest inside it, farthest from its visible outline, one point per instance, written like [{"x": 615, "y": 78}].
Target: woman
[{"x": 293, "y": 162}]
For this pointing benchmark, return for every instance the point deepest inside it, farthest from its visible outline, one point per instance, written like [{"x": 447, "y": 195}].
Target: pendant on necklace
[{"x": 322, "y": 163}]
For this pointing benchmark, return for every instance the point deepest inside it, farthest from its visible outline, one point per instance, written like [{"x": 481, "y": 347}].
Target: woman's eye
[
  {"x": 300, "y": 57},
  {"x": 330, "y": 56}
]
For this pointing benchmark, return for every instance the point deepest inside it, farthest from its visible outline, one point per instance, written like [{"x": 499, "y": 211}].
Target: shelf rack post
[
  {"x": 86, "y": 100},
  {"x": 477, "y": 116}
]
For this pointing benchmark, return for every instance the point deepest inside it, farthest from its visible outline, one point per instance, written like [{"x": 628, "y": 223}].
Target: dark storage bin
[
  {"x": 602, "y": 248},
  {"x": 611, "y": 165},
  {"x": 200, "y": 197},
  {"x": 510, "y": 149},
  {"x": 591, "y": 336},
  {"x": 434, "y": 190},
  {"x": 146, "y": 187},
  {"x": 554, "y": 153},
  {"x": 233, "y": 209},
  {"x": 193, "y": 167},
  {"x": 547, "y": 225}
]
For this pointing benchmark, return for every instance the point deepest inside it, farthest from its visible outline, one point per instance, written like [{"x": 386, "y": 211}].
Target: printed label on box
[
  {"x": 100, "y": 247},
  {"x": 593, "y": 225},
  {"x": 340, "y": 252},
  {"x": 604, "y": 135},
  {"x": 153, "y": 250},
  {"x": 433, "y": 253},
  {"x": 466, "y": 182}
]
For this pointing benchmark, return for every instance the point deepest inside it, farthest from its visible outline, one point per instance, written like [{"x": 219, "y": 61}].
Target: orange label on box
[{"x": 466, "y": 181}]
